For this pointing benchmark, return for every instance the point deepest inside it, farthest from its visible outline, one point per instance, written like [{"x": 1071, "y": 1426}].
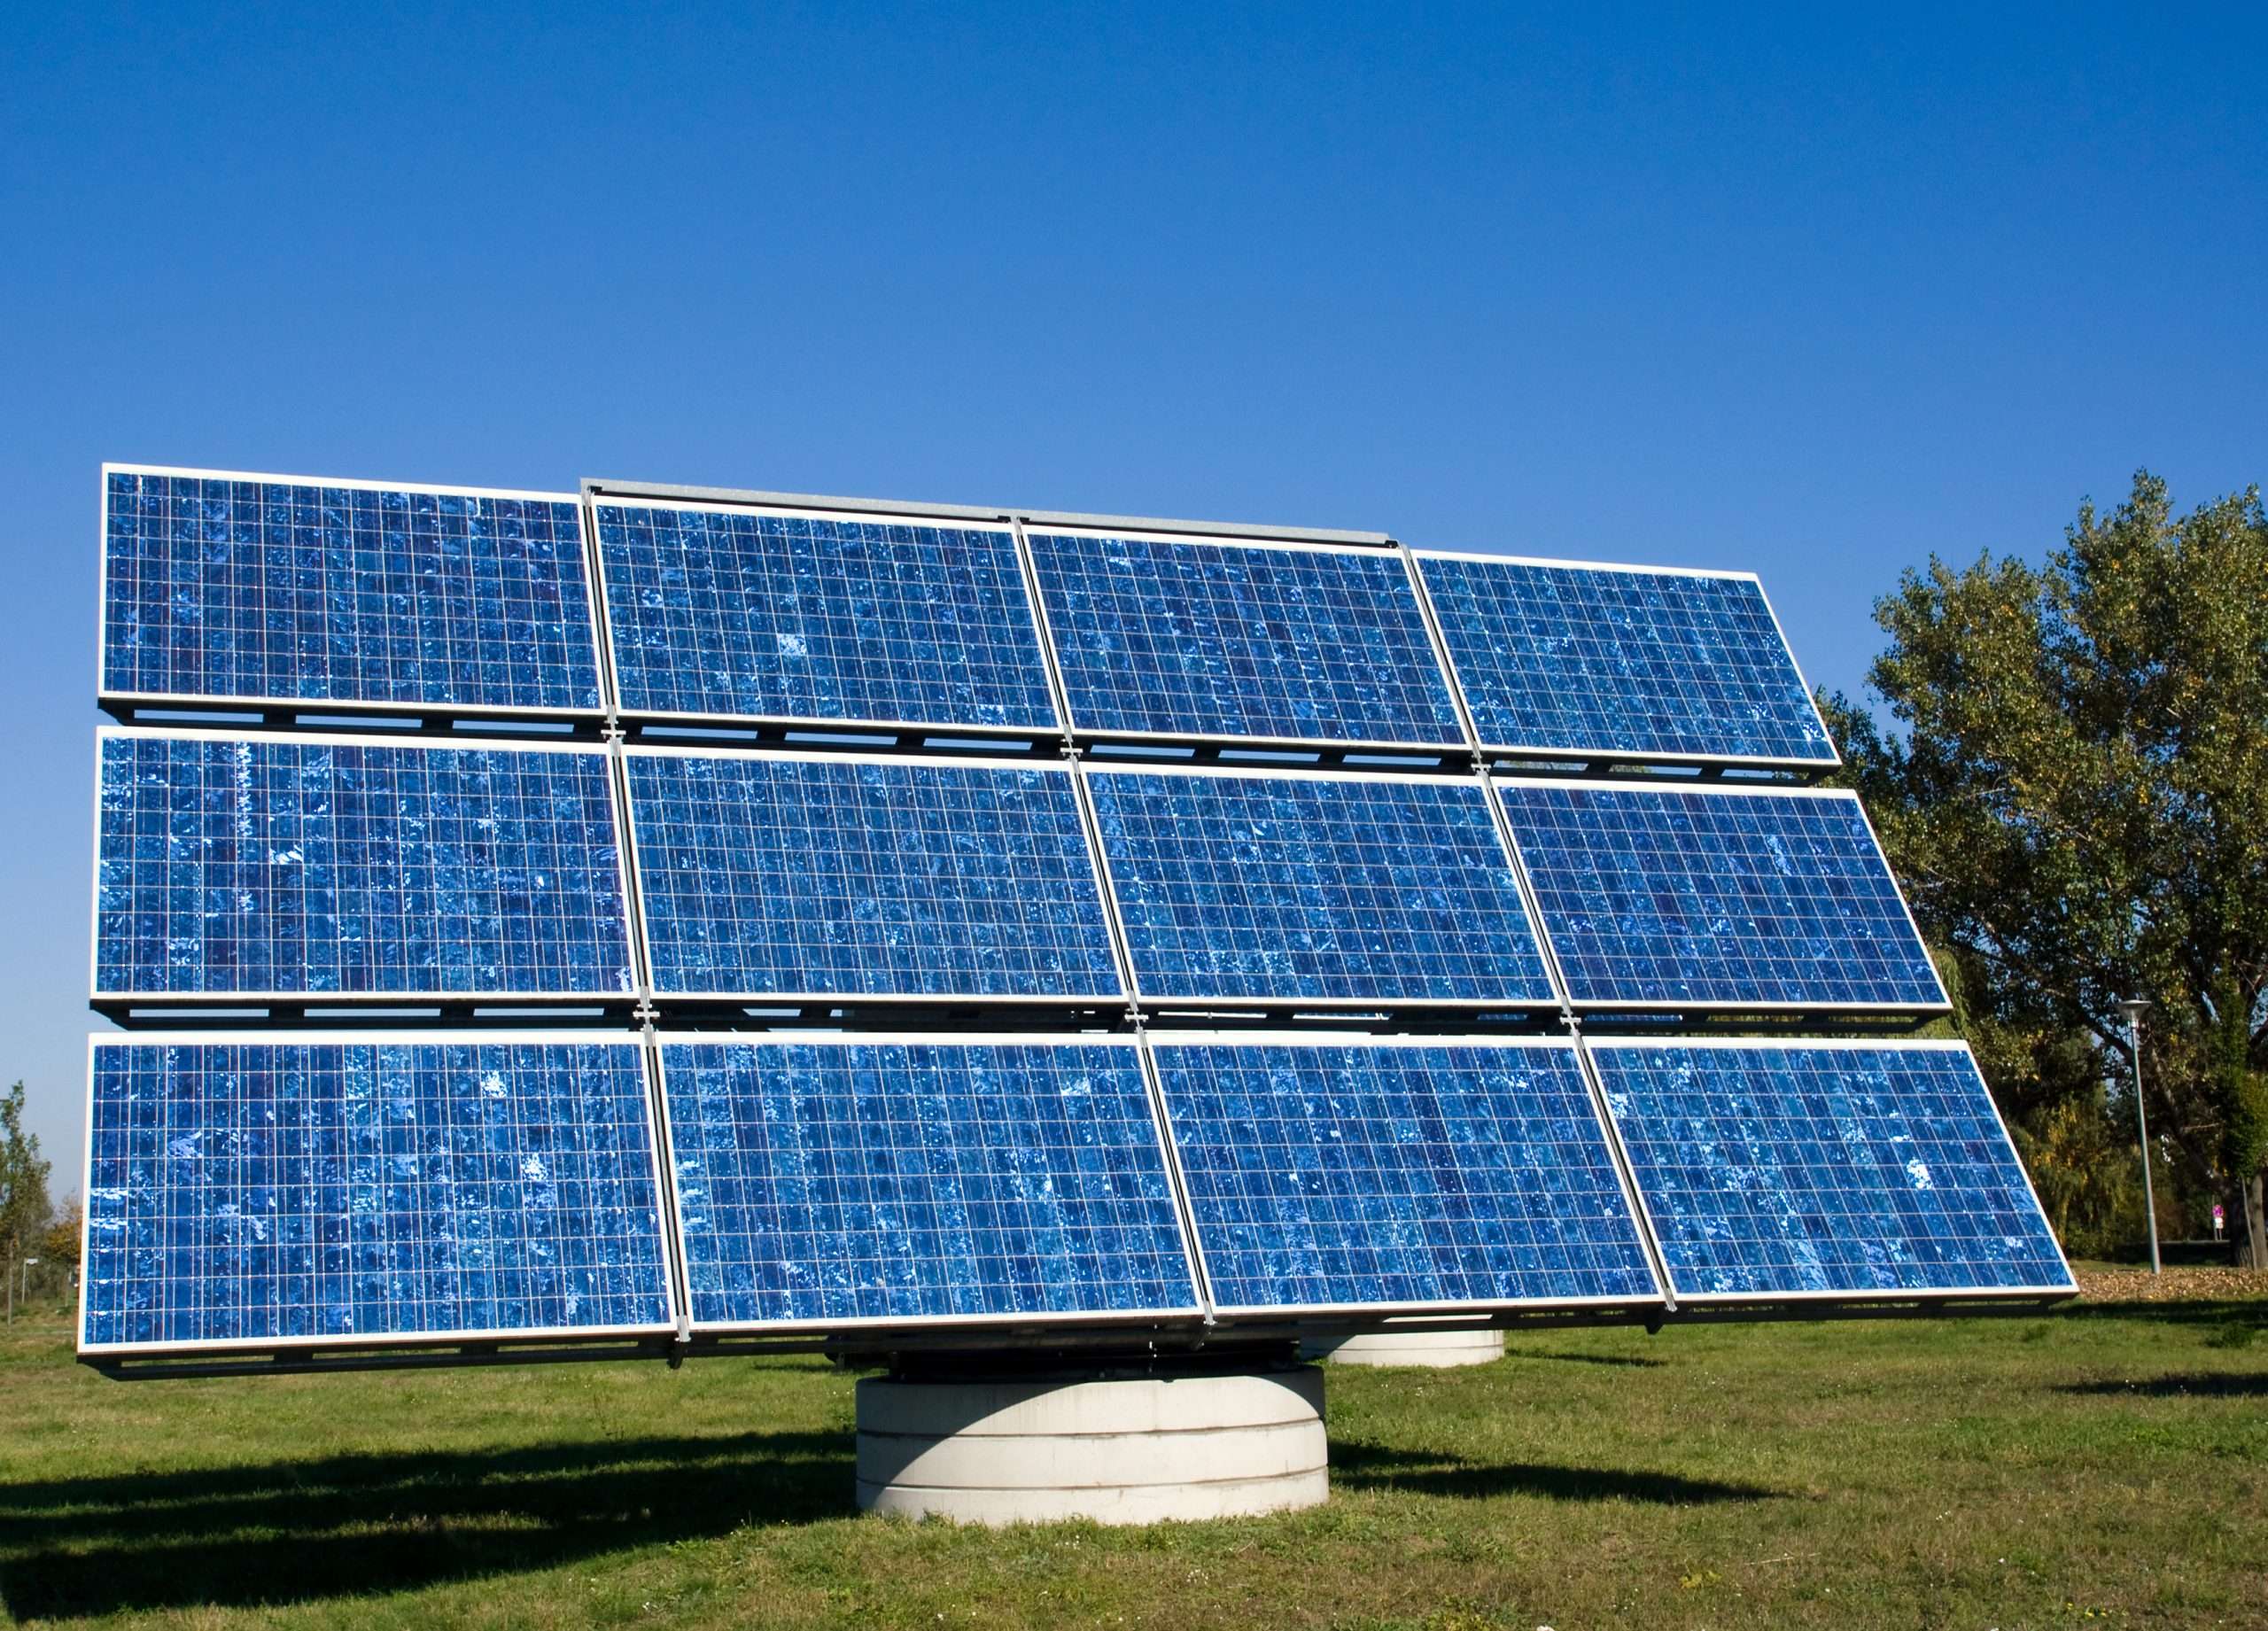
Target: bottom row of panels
[{"x": 279, "y": 1191}]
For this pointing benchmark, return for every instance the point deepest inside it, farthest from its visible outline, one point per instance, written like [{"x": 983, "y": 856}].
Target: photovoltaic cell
[
  {"x": 1793, "y": 1168},
  {"x": 1174, "y": 636},
  {"x": 1593, "y": 659},
  {"x": 765, "y": 615},
  {"x": 1323, "y": 887},
  {"x": 1363, "y": 1176},
  {"x": 841, "y": 875},
  {"x": 1661, "y": 896},
  {"x": 904, "y": 1181},
  {"x": 274, "y": 864},
  {"x": 227, "y": 588},
  {"x": 270, "y": 1191}
]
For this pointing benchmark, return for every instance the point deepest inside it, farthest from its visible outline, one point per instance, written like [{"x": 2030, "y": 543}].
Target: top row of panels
[{"x": 248, "y": 589}]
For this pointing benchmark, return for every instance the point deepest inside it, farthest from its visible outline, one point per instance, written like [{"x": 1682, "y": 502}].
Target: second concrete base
[
  {"x": 1119, "y": 1451},
  {"x": 1417, "y": 1348}
]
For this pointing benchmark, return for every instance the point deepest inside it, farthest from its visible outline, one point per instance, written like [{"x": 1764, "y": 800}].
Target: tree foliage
[
  {"x": 2076, "y": 798},
  {"x": 23, "y": 1178},
  {"x": 58, "y": 1245}
]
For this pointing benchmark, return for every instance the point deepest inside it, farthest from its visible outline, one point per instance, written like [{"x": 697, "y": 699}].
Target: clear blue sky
[{"x": 1813, "y": 296}]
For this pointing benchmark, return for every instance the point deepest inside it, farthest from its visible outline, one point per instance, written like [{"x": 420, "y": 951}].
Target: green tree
[
  {"x": 2077, "y": 801},
  {"x": 59, "y": 1243},
  {"x": 23, "y": 1180}
]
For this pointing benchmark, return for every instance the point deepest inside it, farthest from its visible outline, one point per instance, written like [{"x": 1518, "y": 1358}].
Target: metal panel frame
[
  {"x": 752, "y": 497},
  {"x": 1254, "y": 1312},
  {"x": 1055, "y": 766},
  {"x": 849, "y": 724},
  {"x": 1852, "y": 1045},
  {"x": 1195, "y": 1311},
  {"x": 1548, "y": 998},
  {"x": 1628, "y": 755},
  {"x": 626, "y": 1040},
  {"x": 99, "y": 997},
  {"x": 1351, "y": 744},
  {"x": 1720, "y": 790},
  {"x": 192, "y": 700}
]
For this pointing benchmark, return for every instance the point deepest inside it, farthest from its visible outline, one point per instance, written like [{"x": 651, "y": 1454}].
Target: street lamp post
[
  {"x": 26, "y": 1295},
  {"x": 2134, "y": 1005}
]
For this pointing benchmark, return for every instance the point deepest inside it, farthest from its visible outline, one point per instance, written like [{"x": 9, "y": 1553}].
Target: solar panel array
[
  {"x": 1672, "y": 896},
  {"x": 1328, "y": 1175},
  {"x": 234, "y": 866},
  {"x": 768, "y": 876},
  {"x": 270, "y": 1191},
  {"x": 1164, "y": 636},
  {"x": 1274, "y": 888},
  {"x": 782, "y": 615},
  {"x": 841, "y": 1182},
  {"x": 1557, "y": 658},
  {"x": 252, "y": 589},
  {"x": 1452, "y": 1141},
  {"x": 1816, "y": 1169}
]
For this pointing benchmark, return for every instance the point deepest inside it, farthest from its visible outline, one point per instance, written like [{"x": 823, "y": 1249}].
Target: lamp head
[{"x": 2134, "y": 1005}]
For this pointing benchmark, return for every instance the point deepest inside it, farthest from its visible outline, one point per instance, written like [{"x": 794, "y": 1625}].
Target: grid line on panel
[
  {"x": 750, "y": 614},
  {"x": 1325, "y": 1176},
  {"x": 904, "y": 878},
  {"x": 1285, "y": 888},
  {"x": 217, "y": 587},
  {"x": 1783, "y": 1169},
  {"x": 253, "y": 1192},
  {"x": 1187, "y": 638},
  {"x": 1432, "y": 617},
  {"x": 1565, "y": 657},
  {"x": 281, "y": 865},
  {"x": 1656, "y": 896},
  {"x": 898, "y": 1181}
]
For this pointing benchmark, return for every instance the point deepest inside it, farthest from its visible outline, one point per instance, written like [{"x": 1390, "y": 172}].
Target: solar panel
[
  {"x": 259, "y": 588},
  {"x": 284, "y": 1190},
  {"x": 785, "y": 615},
  {"x": 1826, "y": 1169},
  {"x": 1636, "y": 662},
  {"x": 254, "y": 865},
  {"x": 1338, "y": 1174},
  {"x": 1309, "y": 886},
  {"x": 1658, "y": 898},
  {"x": 892, "y": 1180},
  {"x": 768, "y": 874},
  {"x": 1172, "y": 636}
]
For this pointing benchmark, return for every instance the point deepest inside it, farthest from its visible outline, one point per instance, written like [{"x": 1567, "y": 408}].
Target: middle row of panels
[{"x": 233, "y": 867}]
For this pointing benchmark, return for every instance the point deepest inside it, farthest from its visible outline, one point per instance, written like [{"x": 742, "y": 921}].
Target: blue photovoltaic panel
[
  {"x": 1652, "y": 897},
  {"x": 896, "y": 877},
  {"x": 270, "y": 1191},
  {"x": 225, "y": 587},
  {"x": 1780, "y": 1168},
  {"x": 1321, "y": 887},
  {"x": 275, "y": 865},
  {"x": 1363, "y": 1176},
  {"x": 762, "y": 614},
  {"x": 1592, "y": 659},
  {"x": 895, "y": 1180},
  {"x": 1230, "y": 640}
]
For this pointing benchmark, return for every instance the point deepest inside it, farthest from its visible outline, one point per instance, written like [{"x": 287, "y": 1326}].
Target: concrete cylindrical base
[
  {"x": 1417, "y": 1348},
  {"x": 1136, "y": 1450}
]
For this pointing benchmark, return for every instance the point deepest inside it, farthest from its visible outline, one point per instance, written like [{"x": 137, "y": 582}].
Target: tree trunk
[{"x": 2252, "y": 1229}]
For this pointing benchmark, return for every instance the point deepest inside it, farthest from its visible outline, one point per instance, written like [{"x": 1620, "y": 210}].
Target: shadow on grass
[
  {"x": 2201, "y": 1385},
  {"x": 1621, "y": 1360},
  {"x": 293, "y": 1531},
  {"x": 1355, "y": 1465},
  {"x": 2195, "y": 1311}
]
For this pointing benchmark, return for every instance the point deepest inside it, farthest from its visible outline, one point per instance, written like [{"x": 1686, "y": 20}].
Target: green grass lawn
[{"x": 2106, "y": 1464}]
